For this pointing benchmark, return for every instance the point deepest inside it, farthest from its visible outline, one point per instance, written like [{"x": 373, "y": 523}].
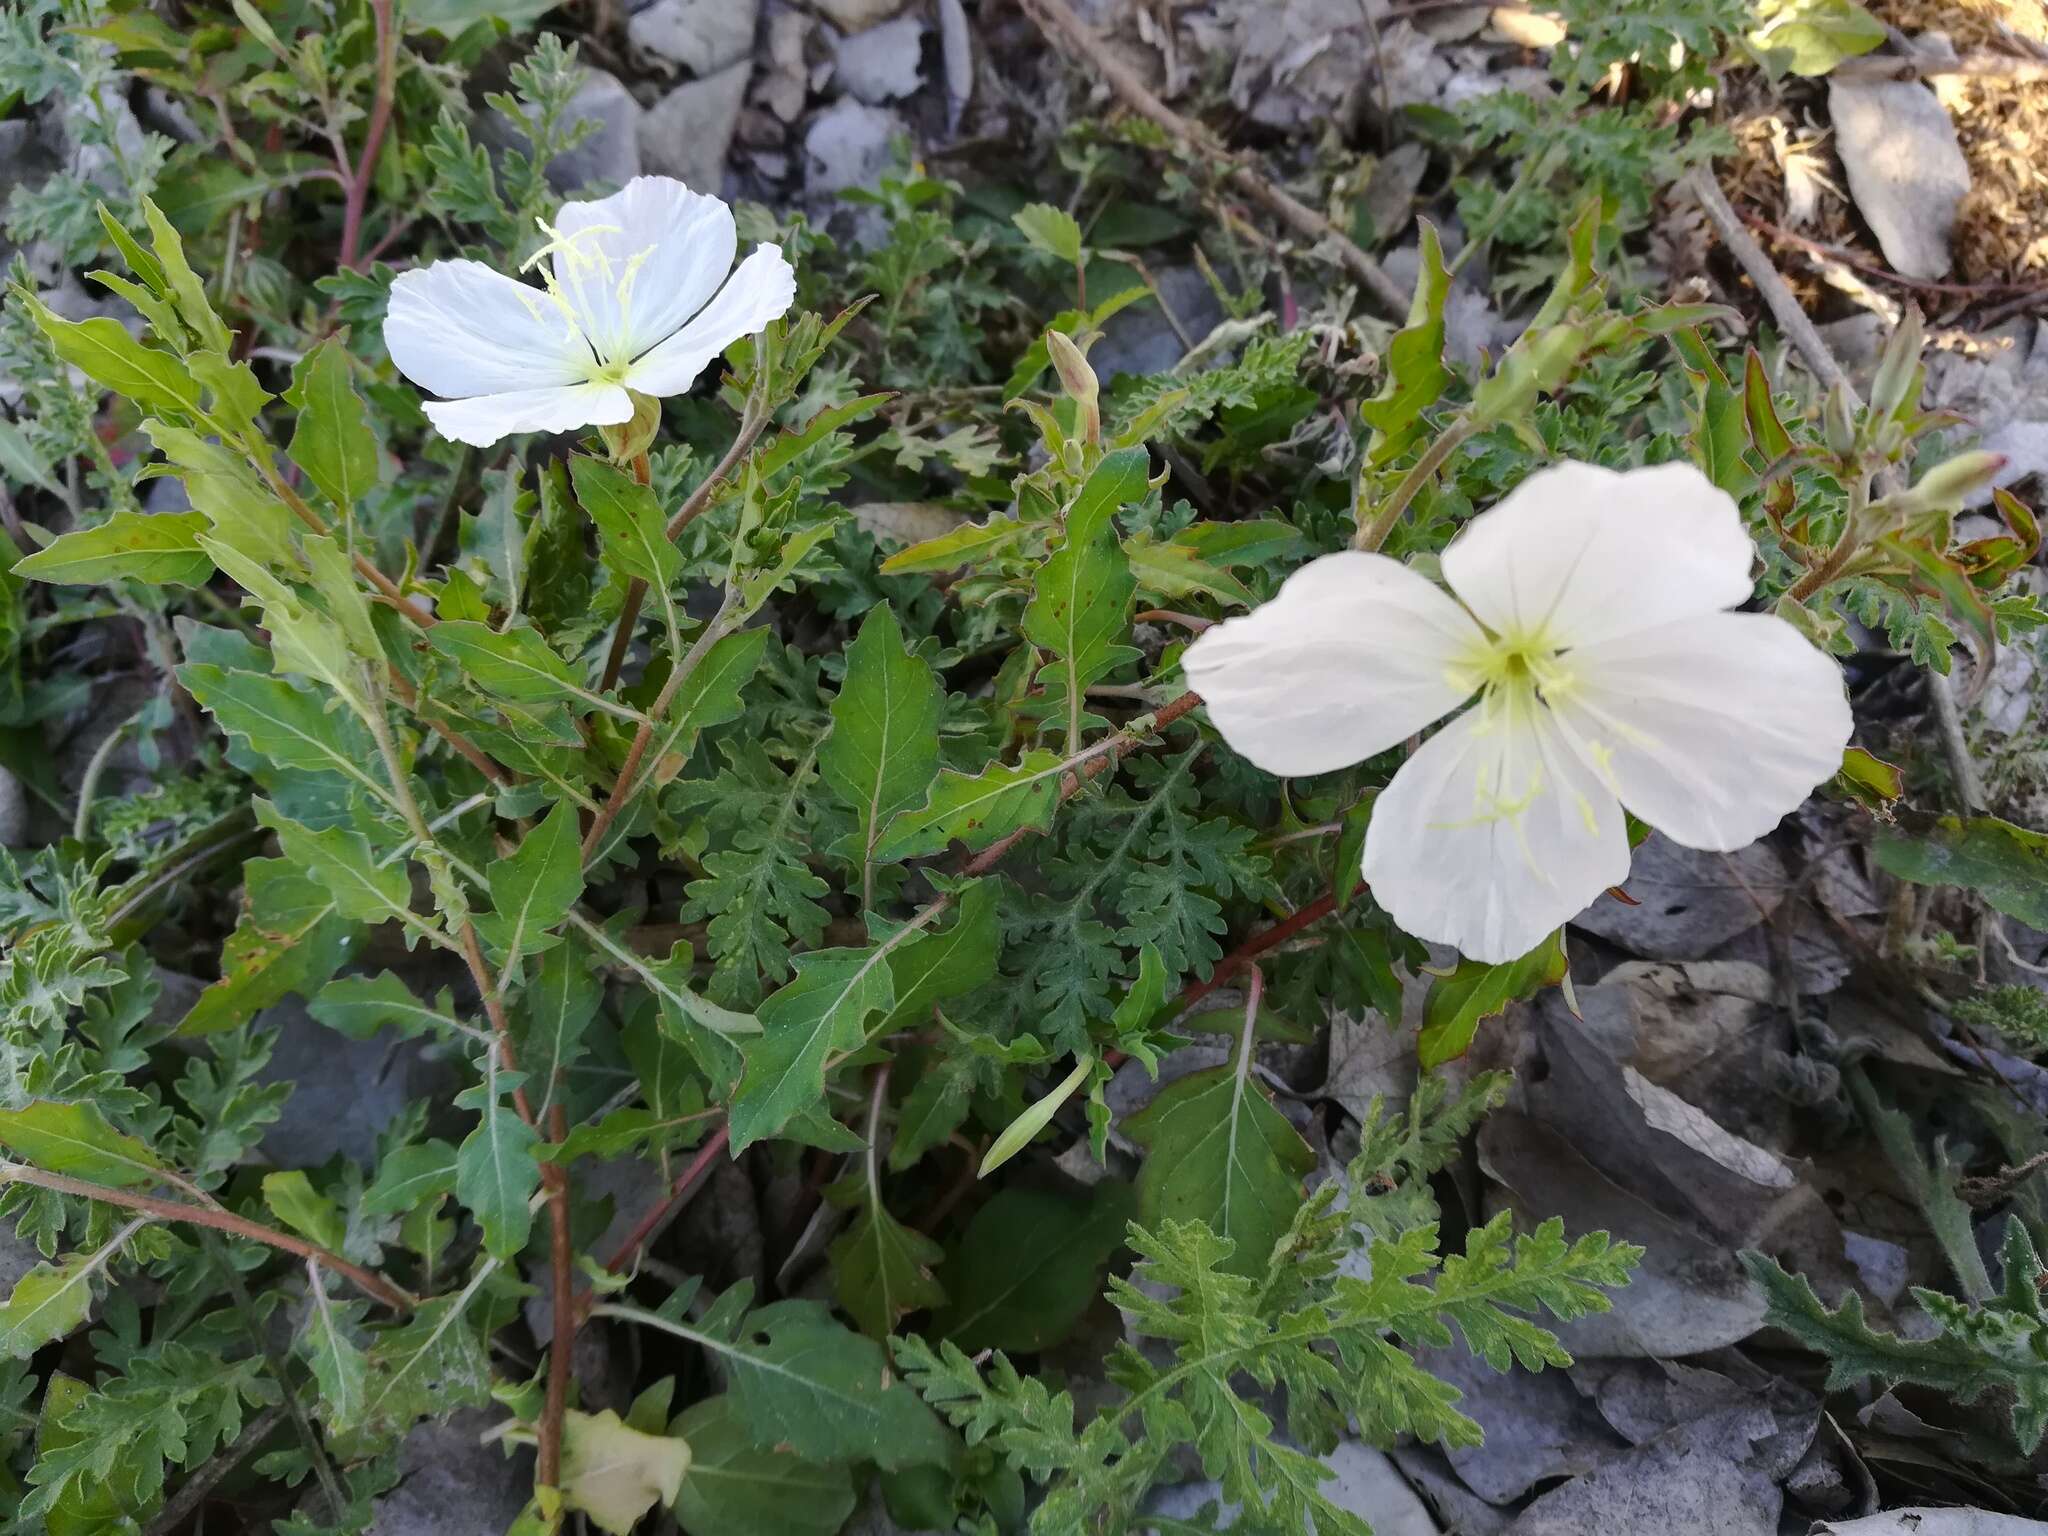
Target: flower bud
[
  {"x": 632, "y": 437},
  {"x": 1838, "y": 422},
  {"x": 1950, "y": 484},
  {"x": 1078, "y": 380},
  {"x": 1898, "y": 370}
]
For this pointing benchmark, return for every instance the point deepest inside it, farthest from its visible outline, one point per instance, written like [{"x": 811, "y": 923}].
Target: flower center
[
  {"x": 594, "y": 292},
  {"x": 1518, "y": 667}
]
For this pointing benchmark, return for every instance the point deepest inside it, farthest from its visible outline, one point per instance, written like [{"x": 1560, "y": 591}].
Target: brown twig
[
  {"x": 359, "y": 180},
  {"x": 1978, "y": 63},
  {"x": 627, "y": 784},
  {"x": 1257, "y": 945},
  {"x": 1058, "y": 22},
  {"x": 678, "y": 1194},
  {"x": 220, "y": 1219},
  {"x": 1880, "y": 272}
]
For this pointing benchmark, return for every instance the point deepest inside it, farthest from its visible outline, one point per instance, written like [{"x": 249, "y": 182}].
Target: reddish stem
[
  {"x": 373, "y": 136},
  {"x": 679, "y": 1193},
  {"x": 1258, "y": 944}
]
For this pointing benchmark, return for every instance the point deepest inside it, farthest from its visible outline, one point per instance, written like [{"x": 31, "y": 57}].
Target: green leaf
[
  {"x": 293, "y": 1201},
  {"x": 1810, "y": 37},
  {"x": 332, "y": 441},
  {"x": 1458, "y": 1003},
  {"x": 48, "y": 1302},
  {"x": 824, "y": 1008},
  {"x": 288, "y": 726},
  {"x": 1030, "y": 1263},
  {"x": 631, "y": 530},
  {"x": 182, "y": 283},
  {"x": 1415, "y": 373},
  {"x": 514, "y": 663},
  {"x": 533, "y": 890},
  {"x": 103, "y": 350},
  {"x": 1081, "y": 600},
  {"x": 20, "y": 463},
  {"x": 739, "y": 1486},
  {"x": 2005, "y": 864},
  {"x": 409, "y": 1175},
  {"x": 495, "y": 1176},
  {"x": 884, "y": 746},
  {"x": 76, "y": 1139},
  {"x": 340, "y": 861},
  {"x": 1174, "y": 571},
  {"x": 359, "y": 1006},
  {"x": 1037, "y": 1115},
  {"x": 951, "y": 963},
  {"x": 977, "y": 809},
  {"x": 340, "y": 1368},
  {"x": 1051, "y": 230},
  {"x": 291, "y": 937},
  {"x": 161, "y": 548},
  {"x": 1218, "y": 1152},
  {"x": 881, "y": 1269},
  {"x": 554, "y": 1010},
  {"x": 968, "y": 544},
  {"x": 709, "y": 696},
  {"x": 799, "y": 1379}
]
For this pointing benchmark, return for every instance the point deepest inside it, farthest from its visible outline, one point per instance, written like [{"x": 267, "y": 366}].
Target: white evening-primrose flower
[
  {"x": 631, "y": 302},
  {"x": 1590, "y": 621}
]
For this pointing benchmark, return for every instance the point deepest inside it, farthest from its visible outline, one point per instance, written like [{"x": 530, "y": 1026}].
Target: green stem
[{"x": 1372, "y": 535}]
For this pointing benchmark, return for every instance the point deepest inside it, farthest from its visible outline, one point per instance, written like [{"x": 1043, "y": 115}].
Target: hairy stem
[
  {"x": 1372, "y": 535},
  {"x": 221, "y": 1220},
  {"x": 358, "y": 193}
]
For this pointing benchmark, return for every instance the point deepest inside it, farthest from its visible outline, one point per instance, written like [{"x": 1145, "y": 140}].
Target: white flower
[
  {"x": 1589, "y": 621},
  {"x": 632, "y": 302}
]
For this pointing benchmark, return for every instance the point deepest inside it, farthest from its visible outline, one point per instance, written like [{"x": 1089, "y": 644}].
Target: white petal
[
  {"x": 458, "y": 328},
  {"x": 483, "y": 419},
  {"x": 1711, "y": 729},
  {"x": 1354, "y": 653},
  {"x": 763, "y": 287},
  {"x": 1579, "y": 554},
  {"x": 1493, "y": 834},
  {"x": 639, "y": 263}
]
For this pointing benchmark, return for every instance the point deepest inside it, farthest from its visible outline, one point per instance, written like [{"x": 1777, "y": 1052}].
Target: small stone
[
  {"x": 848, "y": 146},
  {"x": 688, "y": 132},
  {"x": 612, "y": 153},
  {"x": 786, "y": 82},
  {"x": 1906, "y": 171},
  {"x": 884, "y": 63},
  {"x": 703, "y": 36},
  {"x": 344, "y": 1092},
  {"x": 454, "y": 1484}
]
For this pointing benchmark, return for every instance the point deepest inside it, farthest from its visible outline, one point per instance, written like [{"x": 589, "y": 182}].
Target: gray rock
[
  {"x": 848, "y": 146},
  {"x": 1361, "y": 1481},
  {"x": 17, "y": 1257},
  {"x": 689, "y": 131},
  {"x": 703, "y": 36},
  {"x": 1674, "y": 1484},
  {"x": 612, "y": 153},
  {"x": 1933, "y": 1522},
  {"x": 344, "y": 1092},
  {"x": 1906, "y": 171},
  {"x": 1140, "y": 339},
  {"x": 884, "y": 62},
  {"x": 453, "y": 1484},
  {"x": 13, "y": 811}
]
